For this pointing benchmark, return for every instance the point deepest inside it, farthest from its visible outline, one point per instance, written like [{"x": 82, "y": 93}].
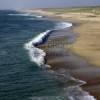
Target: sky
[{"x": 27, "y": 4}]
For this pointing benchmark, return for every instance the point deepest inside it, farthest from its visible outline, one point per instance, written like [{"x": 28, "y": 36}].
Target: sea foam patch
[
  {"x": 37, "y": 55},
  {"x": 62, "y": 25},
  {"x": 26, "y": 14}
]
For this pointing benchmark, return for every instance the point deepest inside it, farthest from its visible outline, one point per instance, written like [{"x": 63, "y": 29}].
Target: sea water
[{"x": 22, "y": 69}]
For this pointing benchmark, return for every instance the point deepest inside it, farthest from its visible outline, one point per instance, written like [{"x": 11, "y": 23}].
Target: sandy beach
[
  {"x": 81, "y": 56},
  {"x": 77, "y": 66}
]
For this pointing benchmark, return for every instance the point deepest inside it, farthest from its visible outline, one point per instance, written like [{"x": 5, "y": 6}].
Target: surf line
[{"x": 38, "y": 55}]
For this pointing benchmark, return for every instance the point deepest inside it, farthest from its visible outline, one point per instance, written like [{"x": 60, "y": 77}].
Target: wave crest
[
  {"x": 37, "y": 55},
  {"x": 62, "y": 25},
  {"x": 26, "y": 14}
]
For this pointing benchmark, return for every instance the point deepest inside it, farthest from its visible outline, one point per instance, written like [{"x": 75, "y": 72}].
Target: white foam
[
  {"x": 26, "y": 14},
  {"x": 62, "y": 97},
  {"x": 62, "y": 25},
  {"x": 40, "y": 37},
  {"x": 37, "y": 55},
  {"x": 76, "y": 93},
  {"x": 88, "y": 97},
  {"x": 38, "y": 16}
]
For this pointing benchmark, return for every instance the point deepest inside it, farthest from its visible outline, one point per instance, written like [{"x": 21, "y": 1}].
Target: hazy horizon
[{"x": 28, "y": 4}]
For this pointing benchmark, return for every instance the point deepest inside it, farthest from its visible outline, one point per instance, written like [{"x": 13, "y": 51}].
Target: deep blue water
[{"x": 19, "y": 77}]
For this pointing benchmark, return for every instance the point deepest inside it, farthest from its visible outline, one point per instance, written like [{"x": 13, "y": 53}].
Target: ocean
[{"x": 23, "y": 72}]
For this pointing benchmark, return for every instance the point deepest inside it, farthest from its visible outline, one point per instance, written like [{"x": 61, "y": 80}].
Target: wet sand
[{"x": 59, "y": 56}]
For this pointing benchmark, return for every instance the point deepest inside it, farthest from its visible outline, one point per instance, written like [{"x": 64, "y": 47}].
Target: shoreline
[
  {"x": 75, "y": 66},
  {"x": 76, "y": 69}
]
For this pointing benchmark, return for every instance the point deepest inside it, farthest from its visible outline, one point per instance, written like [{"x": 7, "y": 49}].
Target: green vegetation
[{"x": 95, "y": 10}]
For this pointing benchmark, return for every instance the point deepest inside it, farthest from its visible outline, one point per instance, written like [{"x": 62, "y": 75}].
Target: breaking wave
[
  {"x": 37, "y": 55},
  {"x": 73, "y": 92},
  {"x": 26, "y": 14},
  {"x": 62, "y": 25}
]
